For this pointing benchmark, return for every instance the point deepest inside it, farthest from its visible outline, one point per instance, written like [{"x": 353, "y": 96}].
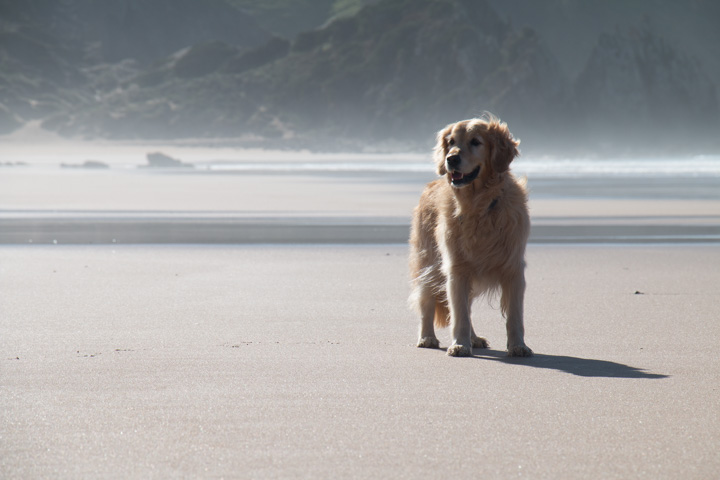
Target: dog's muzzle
[
  {"x": 452, "y": 162},
  {"x": 459, "y": 179}
]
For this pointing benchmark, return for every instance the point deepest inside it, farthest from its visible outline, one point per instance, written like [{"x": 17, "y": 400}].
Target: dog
[{"x": 468, "y": 236}]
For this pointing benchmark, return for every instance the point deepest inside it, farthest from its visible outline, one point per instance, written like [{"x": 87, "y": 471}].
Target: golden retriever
[{"x": 468, "y": 236}]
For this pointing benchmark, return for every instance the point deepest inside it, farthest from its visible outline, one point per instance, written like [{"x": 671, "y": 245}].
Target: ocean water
[
  {"x": 324, "y": 194},
  {"x": 52, "y": 152},
  {"x": 539, "y": 167}
]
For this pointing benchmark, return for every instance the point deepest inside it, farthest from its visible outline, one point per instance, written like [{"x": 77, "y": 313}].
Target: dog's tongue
[{"x": 457, "y": 175}]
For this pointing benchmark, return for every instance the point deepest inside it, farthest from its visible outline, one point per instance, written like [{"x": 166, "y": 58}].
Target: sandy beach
[
  {"x": 299, "y": 362},
  {"x": 196, "y": 324}
]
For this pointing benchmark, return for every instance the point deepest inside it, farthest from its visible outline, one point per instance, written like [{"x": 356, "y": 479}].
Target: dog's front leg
[
  {"x": 513, "y": 293},
  {"x": 458, "y": 289}
]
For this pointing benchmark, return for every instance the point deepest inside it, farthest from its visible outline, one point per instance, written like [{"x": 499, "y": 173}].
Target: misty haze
[
  {"x": 205, "y": 208},
  {"x": 572, "y": 78}
]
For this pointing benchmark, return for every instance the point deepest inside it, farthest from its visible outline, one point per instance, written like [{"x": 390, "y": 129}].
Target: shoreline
[
  {"x": 162, "y": 207},
  {"x": 105, "y": 229}
]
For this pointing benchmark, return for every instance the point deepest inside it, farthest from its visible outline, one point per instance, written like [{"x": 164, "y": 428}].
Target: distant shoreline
[
  {"x": 365, "y": 201},
  {"x": 297, "y": 230}
]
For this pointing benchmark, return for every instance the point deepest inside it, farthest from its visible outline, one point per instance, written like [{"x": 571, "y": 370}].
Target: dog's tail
[{"x": 442, "y": 315}]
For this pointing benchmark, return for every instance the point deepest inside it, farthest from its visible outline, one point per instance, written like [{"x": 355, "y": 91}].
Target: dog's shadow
[{"x": 582, "y": 367}]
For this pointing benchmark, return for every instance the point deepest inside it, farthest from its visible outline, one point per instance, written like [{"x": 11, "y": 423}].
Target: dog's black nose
[{"x": 453, "y": 161}]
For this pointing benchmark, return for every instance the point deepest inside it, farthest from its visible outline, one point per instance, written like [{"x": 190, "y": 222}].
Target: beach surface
[
  {"x": 124, "y": 361},
  {"x": 249, "y": 320}
]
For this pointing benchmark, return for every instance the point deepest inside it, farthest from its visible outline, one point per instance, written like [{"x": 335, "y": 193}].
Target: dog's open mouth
[{"x": 459, "y": 178}]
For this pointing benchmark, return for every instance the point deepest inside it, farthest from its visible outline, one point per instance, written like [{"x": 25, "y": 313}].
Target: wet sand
[
  {"x": 126, "y": 229},
  {"x": 299, "y": 362},
  {"x": 135, "y": 206}
]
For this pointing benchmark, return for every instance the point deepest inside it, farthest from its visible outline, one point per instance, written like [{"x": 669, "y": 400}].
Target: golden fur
[{"x": 468, "y": 236}]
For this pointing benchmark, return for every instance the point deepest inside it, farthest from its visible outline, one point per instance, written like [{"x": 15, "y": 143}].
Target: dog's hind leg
[
  {"x": 477, "y": 342},
  {"x": 427, "y": 311},
  {"x": 458, "y": 289},
  {"x": 513, "y": 292}
]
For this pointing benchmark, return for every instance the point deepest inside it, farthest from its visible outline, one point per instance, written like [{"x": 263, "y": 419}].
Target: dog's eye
[
  {"x": 451, "y": 141},
  {"x": 475, "y": 142}
]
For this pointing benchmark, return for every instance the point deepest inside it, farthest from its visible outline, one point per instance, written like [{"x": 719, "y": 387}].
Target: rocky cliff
[
  {"x": 58, "y": 56},
  {"x": 383, "y": 74},
  {"x": 379, "y": 76},
  {"x": 635, "y": 84}
]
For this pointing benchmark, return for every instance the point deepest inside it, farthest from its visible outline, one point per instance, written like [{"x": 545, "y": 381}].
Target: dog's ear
[
  {"x": 503, "y": 146},
  {"x": 440, "y": 151}
]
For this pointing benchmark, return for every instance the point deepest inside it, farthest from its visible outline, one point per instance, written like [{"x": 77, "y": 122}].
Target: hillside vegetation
[{"x": 357, "y": 74}]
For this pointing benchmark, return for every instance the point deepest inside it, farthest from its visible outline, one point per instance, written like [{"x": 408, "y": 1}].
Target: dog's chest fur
[{"x": 483, "y": 231}]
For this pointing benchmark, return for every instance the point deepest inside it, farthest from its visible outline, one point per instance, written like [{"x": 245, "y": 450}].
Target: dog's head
[{"x": 469, "y": 148}]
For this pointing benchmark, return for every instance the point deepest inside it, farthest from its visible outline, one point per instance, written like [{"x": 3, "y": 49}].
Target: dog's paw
[
  {"x": 428, "y": 342},
  {"x": 520, "y": 351},
  {"x": 459, "y": 351},
  {"x": 480, "y": 342}
]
